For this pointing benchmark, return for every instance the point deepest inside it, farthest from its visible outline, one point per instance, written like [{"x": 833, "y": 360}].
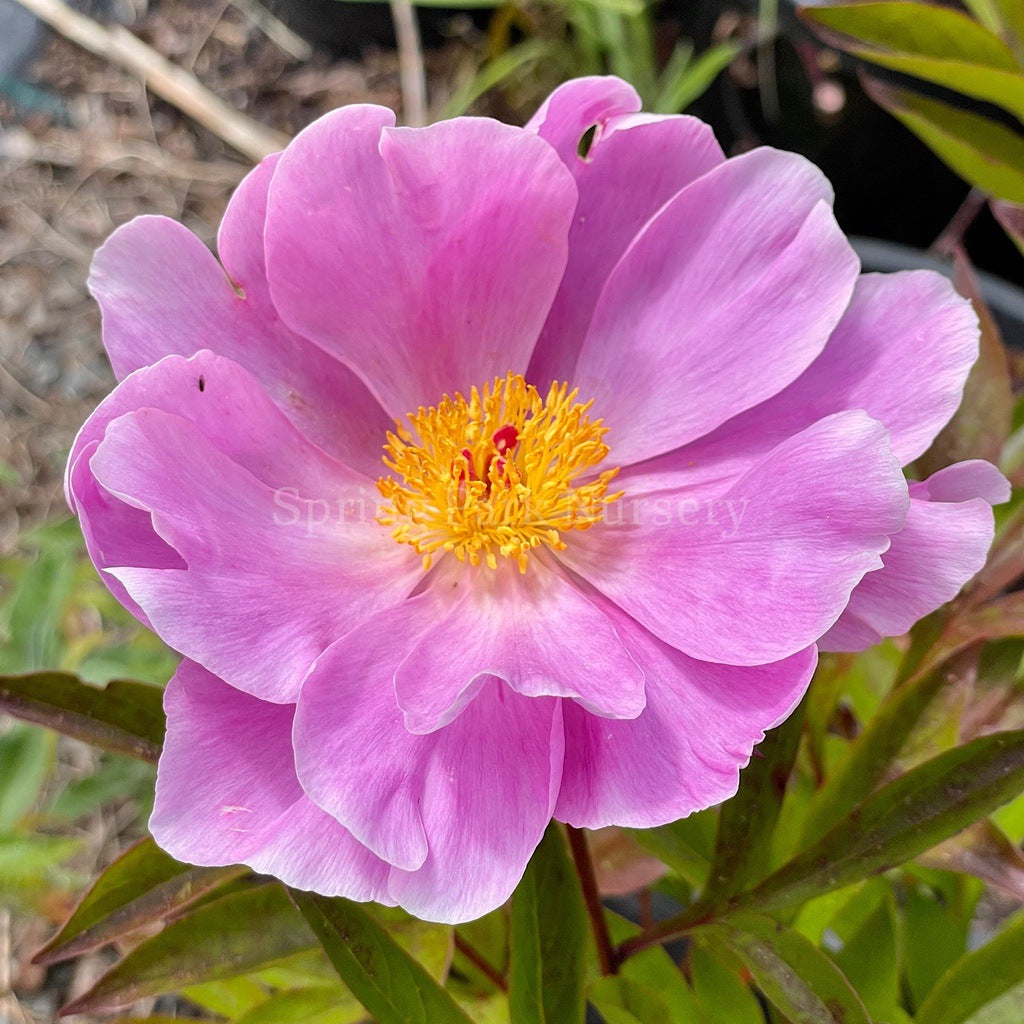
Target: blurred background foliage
[{"x": 870, "y": 867}]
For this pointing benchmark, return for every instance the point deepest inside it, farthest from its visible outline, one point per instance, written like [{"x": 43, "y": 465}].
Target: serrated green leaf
[
  {"x": 124, "y": 716},
  {"x": 980, "y": 150},
  {"x": 382, "y": 976},
  {"x": 143, "y": 888},
  {"x": 976, "y": 981},
  {"x": 227, "y": 937},
  {"x": 548, "y": 934},
  {"x": 902, "y": 819},
  {"x": 794, "y": 975}
]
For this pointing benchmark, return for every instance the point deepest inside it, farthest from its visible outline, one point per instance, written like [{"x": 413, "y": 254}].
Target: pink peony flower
[{"x": 481, "y": 482}]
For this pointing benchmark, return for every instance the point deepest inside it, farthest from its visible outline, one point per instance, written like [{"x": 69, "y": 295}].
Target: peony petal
[
  {"x": 535, "y": 631},
  {"x": 761, "y": 571},
  {"x": 426, "y": 258},
  {"x": 574, "y": 107},
  {"x": 686, "y": 750},
  {"x": 636, "y": 163},
  {"x": 944, "y": 542},
  {"x": 964, "y": 481},
  {"x": 461, "y": 809},
  {"x": 115, "y": 534},
  {"x": 255, "y": 555},
  {"x": 226, "y": 793},
  {"x": 727, "y": 296},
  {"x": 162, "y": 292}
]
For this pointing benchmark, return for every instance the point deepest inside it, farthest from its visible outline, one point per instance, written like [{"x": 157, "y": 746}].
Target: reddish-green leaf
[
  {"x": 140, "y": 890},
  {"x": 126, "y": 717},
  {"x": 901, "y": 820},
  {"x": 233, "y": 935}
]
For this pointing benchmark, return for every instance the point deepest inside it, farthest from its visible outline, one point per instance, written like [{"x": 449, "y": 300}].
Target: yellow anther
[{"x": 495, "y": 476}]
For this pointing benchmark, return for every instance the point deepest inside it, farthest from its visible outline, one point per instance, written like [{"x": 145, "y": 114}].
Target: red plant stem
[
  {"x": 477, "y": 959},
  {"x": 585, "y": 869}
]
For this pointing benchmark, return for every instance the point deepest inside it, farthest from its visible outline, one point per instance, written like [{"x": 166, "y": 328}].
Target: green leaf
[
  {"x": 869, "y": 958},
  {"x": 901, "y": 820},
  {"x": 977, "y": 981},
  {"x": 979, "y": 149},
  {"x": 548, "y": 938},
  {"x": 143, "y": 887},
  {"x": 125, "y": 717},
  {"x": 219, "y": 940},
  {"x": 306, "y": 1006},
  {"x": 747, "y": 821},
  {"x": 895, "y": 26},
  {"x": 655, "y": 969},
  {"x": 722, "y": 995},
  {"x": 795, "y": 976},
  {"x": 624, "y": 1001},
  {"x": 687, "y": 81},
  {"x": 936, "y": 929},
  {"x": 933, "y": 43},
  {"x": 392, "y": 986},
  {"x": 26, "y": 755}
]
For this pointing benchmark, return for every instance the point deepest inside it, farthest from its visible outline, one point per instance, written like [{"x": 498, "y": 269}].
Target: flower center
[{"x": 495, "y": 474}]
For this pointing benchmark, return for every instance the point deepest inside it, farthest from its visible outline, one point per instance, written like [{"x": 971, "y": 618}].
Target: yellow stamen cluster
[{"x": 495, "y": 474}]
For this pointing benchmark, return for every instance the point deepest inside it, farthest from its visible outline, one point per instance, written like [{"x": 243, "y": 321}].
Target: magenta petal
[
  {"x": 461, "y": 808},
  {"x": 944, "y": 542},
  {"x": 115, "y": 534},
  {"x": 964, "y": 481},
  {"x": 226, "y": 793},
  {"x": 253, "y": 559},
  {"x": 636, "y": 163},
  {"x": 426, "y": 258},
  {"x": 537, "y": 632},
  {"x": 764, "y": 569},
  {"x": 565, "y": 116},
  {"x": 727, "y": 296},
  {"x": 686, "y": 750},
  {"x": 162, "y": 292}
]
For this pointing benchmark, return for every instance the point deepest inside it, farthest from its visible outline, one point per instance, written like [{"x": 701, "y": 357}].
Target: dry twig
[{"x": 167, "y": 80}]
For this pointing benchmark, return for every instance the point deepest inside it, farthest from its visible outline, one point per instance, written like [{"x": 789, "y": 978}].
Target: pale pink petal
[
  {"x": 727, "y": 296},
  {"x": 426, "y": 258},
  {"x": 226, "y": 793},
  {"x": 944, "y": 542},
  {"x": 761, "y": 571},
  {"x": 636, "y": 163},
  {"x": 255, "y": 554},
  {"x": 686, "y": 750},
  {"x": 162, "y": 292},
  {"x": 536, "y": 631},
  {"x": 460, "y": 809}
]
